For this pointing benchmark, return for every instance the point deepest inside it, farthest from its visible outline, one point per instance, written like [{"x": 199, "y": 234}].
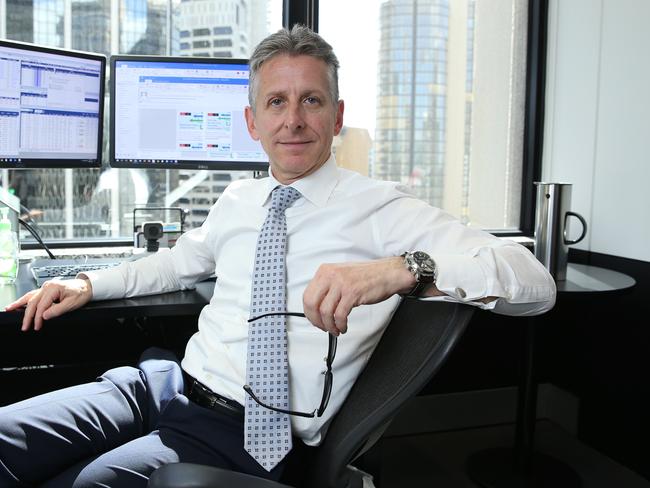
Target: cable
[
  {"x": 29, "y": 227},
  {"x": 37, "y": 237},
  {"x": 28, "y": 213}
]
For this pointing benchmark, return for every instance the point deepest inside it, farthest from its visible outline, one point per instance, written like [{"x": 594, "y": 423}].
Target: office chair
[{"x": 416, "y": 343}]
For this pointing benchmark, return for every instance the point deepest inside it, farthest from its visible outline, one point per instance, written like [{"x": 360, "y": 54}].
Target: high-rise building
[
  {"x": 79, "y": 204},
  {"x": 19, "y": 20},
  {"x": 450, "y": 105},
  {"x": 99, "y": 203},
  {"x": 420, "y": 87},
  {"x": 146, "y": 27},
  {"x": 215, "y": 28},
  {"x": 220, "y": 29},
  {"x": 90, "y": 26}
]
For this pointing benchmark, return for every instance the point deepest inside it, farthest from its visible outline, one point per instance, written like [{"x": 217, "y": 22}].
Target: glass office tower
[
  {"x": 147, "y": 27},
  {"x": 19, "y": 20},
  {"x": 413, "y": 141},
  {"x": 220, "y": 29},
  {"x": 450, "y": 105},
  {"x": 66, "y": 201}
]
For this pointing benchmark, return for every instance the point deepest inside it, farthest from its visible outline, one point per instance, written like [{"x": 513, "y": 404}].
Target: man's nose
[{"x": 295, "y": 117}]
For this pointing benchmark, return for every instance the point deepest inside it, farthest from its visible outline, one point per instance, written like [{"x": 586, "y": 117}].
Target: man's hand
[
  {"x": 337, "y": 288},
  {"x": 54, "y": 298}
]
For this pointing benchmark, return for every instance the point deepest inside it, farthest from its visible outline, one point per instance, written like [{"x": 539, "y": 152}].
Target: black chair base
[{"x": 496, "y": 468}]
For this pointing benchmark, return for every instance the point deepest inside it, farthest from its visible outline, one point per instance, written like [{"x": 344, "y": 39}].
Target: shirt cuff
[
  {"x": 484, "y": 306},
  {"x": 107, "y": 283},
  {"x": 462, "y": 278}
]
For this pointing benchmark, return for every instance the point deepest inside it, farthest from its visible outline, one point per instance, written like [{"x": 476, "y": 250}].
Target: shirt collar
[{"x": 316, "y": 187}]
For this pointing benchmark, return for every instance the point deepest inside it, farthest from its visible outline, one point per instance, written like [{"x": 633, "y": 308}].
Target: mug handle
[{"x": 584, "y": 227}]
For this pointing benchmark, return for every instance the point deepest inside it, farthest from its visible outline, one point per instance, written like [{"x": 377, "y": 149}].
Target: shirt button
[{"x": 460, "y": 292}]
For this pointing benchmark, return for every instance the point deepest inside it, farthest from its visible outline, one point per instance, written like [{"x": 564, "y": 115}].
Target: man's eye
[
  {"x": 275, "y": 102},
  {"x": 312, "y": 100}
]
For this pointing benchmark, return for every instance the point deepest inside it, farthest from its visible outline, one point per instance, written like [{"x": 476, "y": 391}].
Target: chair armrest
[{"x": 188, "y": 475}]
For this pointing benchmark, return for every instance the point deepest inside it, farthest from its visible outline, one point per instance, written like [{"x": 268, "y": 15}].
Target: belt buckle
[
  {"x": 209, "y": 399},
  {"x": 212, "y": 398}
]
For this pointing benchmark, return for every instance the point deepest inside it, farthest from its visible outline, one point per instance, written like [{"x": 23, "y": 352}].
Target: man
[{"x": 348, "y": 253}]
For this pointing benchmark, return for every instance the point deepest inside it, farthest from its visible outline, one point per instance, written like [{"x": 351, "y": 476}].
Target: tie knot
[{"x": 283, "y": 196}]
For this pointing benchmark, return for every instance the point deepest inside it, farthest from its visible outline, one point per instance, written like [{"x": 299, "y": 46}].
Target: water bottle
[{"x": 8, "y": 250}]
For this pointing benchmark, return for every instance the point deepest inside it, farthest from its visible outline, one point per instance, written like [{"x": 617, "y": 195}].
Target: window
[
  {"x": 201, "y": 32},
  {"x": 98, "y": 204},
  {"x": 439, "y": 89},
  {"x": 434, "y": 95},
  {"x": 220, "y": 31}
]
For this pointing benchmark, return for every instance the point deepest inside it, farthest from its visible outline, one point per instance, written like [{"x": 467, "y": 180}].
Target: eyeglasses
[{"x": 327, "y": 386}]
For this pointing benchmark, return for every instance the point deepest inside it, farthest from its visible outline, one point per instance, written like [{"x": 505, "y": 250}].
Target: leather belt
[{"x": 205, "y": 397}]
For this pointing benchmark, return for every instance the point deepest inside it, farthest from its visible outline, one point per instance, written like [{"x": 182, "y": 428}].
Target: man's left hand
[{"x": 337, "y": 288}]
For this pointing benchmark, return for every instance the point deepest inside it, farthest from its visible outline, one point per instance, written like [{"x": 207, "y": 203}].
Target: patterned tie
[{"x": 268, "y": 433}]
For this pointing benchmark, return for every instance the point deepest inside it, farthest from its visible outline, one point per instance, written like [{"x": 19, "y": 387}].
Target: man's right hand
[{"x": 53, "y": 299}]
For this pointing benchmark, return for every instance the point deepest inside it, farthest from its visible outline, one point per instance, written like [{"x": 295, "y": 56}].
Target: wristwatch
[{"x": 423, "y": 268}]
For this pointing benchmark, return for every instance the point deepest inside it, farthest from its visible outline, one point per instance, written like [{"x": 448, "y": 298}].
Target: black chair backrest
[{"x": 414, "y": 346}]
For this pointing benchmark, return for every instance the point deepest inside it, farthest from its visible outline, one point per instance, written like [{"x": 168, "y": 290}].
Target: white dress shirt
[{"x": 341, "y": 217}]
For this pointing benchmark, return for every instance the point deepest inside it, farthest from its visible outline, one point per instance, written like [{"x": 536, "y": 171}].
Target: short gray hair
[{"x": 301, "y": 40}]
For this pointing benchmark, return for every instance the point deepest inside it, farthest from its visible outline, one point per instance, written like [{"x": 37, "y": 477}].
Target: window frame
[
  {"x": 534, "y": 111},
  {"x": 306, "y": 12}
]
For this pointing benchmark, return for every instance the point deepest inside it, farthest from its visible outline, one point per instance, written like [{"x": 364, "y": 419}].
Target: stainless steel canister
[{"x": 552, "y": 227}]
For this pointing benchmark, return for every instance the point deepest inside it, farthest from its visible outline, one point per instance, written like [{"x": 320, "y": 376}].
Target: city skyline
[{"x": 415, "y": 124}]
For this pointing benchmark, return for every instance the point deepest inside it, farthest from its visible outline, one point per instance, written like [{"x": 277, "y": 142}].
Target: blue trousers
[{"x": 115, "y": 431}]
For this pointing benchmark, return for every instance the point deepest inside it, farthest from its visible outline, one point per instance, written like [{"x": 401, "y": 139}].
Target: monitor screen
[
  {"x": 183, "y": 112},
  {"x": 51, "y": 107}
]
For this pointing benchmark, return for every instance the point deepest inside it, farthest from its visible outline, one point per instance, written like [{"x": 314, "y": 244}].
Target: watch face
[{"x": 424, "y": 262}]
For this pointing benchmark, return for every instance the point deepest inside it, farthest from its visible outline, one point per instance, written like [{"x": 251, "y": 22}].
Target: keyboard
[{"x": 65, "y": 269}]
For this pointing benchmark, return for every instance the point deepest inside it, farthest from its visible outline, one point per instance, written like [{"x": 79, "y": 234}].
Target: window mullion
[{"x": 300, "y": 12}]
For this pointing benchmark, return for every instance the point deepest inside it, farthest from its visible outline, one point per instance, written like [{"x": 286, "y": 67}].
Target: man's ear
[
  {"x": 338, "y": 123},
  {"x": 250, "y": 123}
]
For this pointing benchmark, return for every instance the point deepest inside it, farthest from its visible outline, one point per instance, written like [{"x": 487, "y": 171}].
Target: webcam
[{"x": 152, "y": 231}]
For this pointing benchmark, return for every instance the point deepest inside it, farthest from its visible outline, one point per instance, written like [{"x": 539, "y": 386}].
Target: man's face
[{"x": 294, "y": 118}]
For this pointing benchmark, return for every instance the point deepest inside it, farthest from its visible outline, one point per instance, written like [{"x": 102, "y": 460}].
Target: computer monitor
[
  {"x": 181, "y": 112},
  {"x": 51, "y": 107}
]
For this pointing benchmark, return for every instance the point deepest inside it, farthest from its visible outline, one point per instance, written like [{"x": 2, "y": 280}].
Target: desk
[
  {"x": 58, "y": 356},
  {"x": 177, "y": 303},
  {"x": 522, "y": 466}
]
